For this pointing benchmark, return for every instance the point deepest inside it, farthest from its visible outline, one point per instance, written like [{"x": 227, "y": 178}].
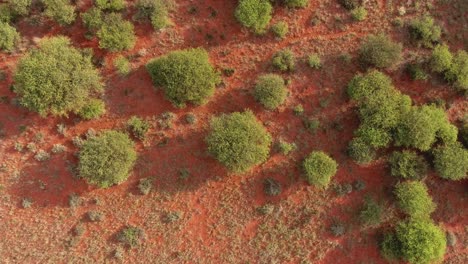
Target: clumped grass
[
  {"x": 138, "y": 127},
  {"x": 285, "y": 147},
  {"x": 131, "y": 236},
  {"x": 42, "y": 155},
  {"x": 95, "y": 216}
]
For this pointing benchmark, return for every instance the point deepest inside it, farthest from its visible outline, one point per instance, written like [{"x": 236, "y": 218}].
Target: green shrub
[
  {"x": 285, "y": 147},
  {"x": 56, "y": 78},
  {"x": 93, "y": 109},
  {"x": 380, "y": 51},
  {"x": 424, "y": 31},
  {"x": 93, "y": 18},
  {"x": 350, "y": 4},
  {"x": 421, "y": 241},
  {"x": 464, "y": 131},
  {"x": 139, "y": 127},
  {"x": 451, "y": 161},
  {"x": 280, "y": 29},
  {"x": 360, "y": 151},
  {"x": 319, "y": 168},
  {"x": 296, "y": 3},
  {"x": 458, "y": 71},
  {"x": 284, "y": 60},
  {"x": 270, "y": 91},
  {"x": 106, "y": 159},
  {"x": 116, "y": 34},
  {"x": 155, "y": 10},
  {"x": 390, "y": 246},
  {"x": 131, "y": 236},
  {"x": 19, "y": 7},
  {"x": 374, "y": 137},
  {"x": 6, "y": 14},
  {"x": 416, "y": 72},
  {"x": 359, "y": 13},
  {"x": 408, "y": 165},
  {"x": 60, "y": 10},
  {"x": 254, "y": 14},
  {"x": 422, "y": 126},
  {"x": 364, "y": 86},
  {"x": 238, "y": 141},
  {"x": 185, "y": 75},
  {"x": 9, "y": 37},
  {"x": 414, "y": 200},
  {"x": 113, "y": 5},
  {"x": 313, "y": 60},
  {"x": 122, "y": 65},
  {"x": 441, "y": 59},
  {"x": 371, "y": 212}
]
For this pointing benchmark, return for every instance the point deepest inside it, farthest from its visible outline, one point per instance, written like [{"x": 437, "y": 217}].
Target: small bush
[
  {"x": 319, "y": 168},
  {"x": 360, "y": 151},
  {"x": 414, "y": 200},
  {"x": 458, "y": 71},
  {"x": 298, "y": 110},
  {"x": 424, "y": 31},
  {"x": 113, "y": 5},
  {"x": 313, "y": 60},
  {"x": 145, "y": 185},
  {"x": 451, "y": 161},
  {"x": 271, "y": 187},
  {"x": 280, "y": 29},
  {"x": 359, "y": 13},
  {"x": 421, "y": 241},
  {"x": 374, "y": 137},
  {"x": 42, "y": 155},
  {"x": 9, "y": 37},
  {"x": 122, "y": 65},
  {"x": 371, "y": 212},
  {"x": 131, "y": 236},
  {"x": 408, "y": 165},
  {"x": 284, "y": 60},
  {"x": 116, "y": 34},
  {"x": 254, "y": 14},
  {"x": 270, "y": 91},
  {"x": 138, "y": 127},
  {"x": 296, "y": 3},
  {"x": 238, "y": 141},
  {"x": 312, "y": 124},
  {"x": 417, "y": 73},
  {"x": 185, "y": 75},
  {"x": 155, "y": 10},
  {"x": 441, "y": 59},
  {"x": 60, "y": 10},
  {"x": 93, "y": 109},
  {"x": 106, "y": 159},
  {"x": 285, "y": 148},
  {"x": 58, "y": 148},
  {"x": 93, "y": 18},
  {"x": 56, "y": 78},
  {"x": 350, "y": 4},
  {"x": 95, "y": 216},
  {"x": 380, "y": 51}
]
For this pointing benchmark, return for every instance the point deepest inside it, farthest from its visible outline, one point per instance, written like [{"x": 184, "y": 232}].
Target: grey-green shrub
[
  {"x": 93, "y": 18},
  {"x": 284, "y": 60},
  {"x": 254, "y": 14},
  {"x": 280, "y": 29},
  {"x": 116, "y": 34},
  {"x": 451, "y": 161},
  {"x": 93, "y": 109},
  {"x": 106, "y": 159},
  {"x": 60, "y": 10},
  {"x": 238, "y": 141},
  {"x": 380, "y": 51},
  {"x": 319, "y": 168},
  {"x": 9, "y": 37},
  {"x": 138, "y": 126},
  {"x": 414, "y": 199},
  {"x": 270, "y": 91},
  {"x": 424, "y": 31}
]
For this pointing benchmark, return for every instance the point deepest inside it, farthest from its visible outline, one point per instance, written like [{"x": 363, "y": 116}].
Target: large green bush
[
  {"x": 106, "y": 159},
  {"x": 9, "y": 37},
  {"x": 364, "y": 86},
  {"x": 187, "y": 76},
  {"x": 254, "y": 14},
  {"x": 270, "y": 91},
  {"x": 408, "y": 164},
  {"x": 60, "y": 10},
  {"x": 116, "y": 34},
  {"x": 6, "y": 15},
  {"x": 424, "y": 31},
  {"x": 319, "y": 168},
  {"x": 422, "y": 126},
  {"x": 56, "y": 78},
  {"x": 414, "y": 199},
  {"x": 451, "y": 161},
  {"x": 113, "y": 5},
  {"x": 421, "y": 241},
  {"x": 238, "y": 141},
  {"x": 380, "y": 51}
]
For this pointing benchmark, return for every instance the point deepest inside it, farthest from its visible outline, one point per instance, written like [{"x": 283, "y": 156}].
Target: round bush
[
  {"x": 360, "y": 151},
  {"x": 319, "y": 168},
  {"x": 116, "y": 34},
  {"x": 414, "y": 200},
  {"x": 424, "y": 31},
  {"x": 113, "y": 5},
  {"x": 254, "y": 14},
  {"x": 94, "y": 108},
  {"x": 314, "y": 61},
  {"x": 458, "y": 71},
  {"x": 421, "y": 241},
  {"x": 364, "y": 86},
  {"x": 93, "y": 18},
  {"x": 284, "y": 60},
  {"x": 60, "y": 10},
  {"x": 280, "y": 29},
  {"x": 441, "y": 59},
  {"x": 408, "y": 165},
  {"x": 451, "y": 161},
  {"x": 107, "y": 159},
  {"x": 296, "y": 3},
  {"x": 380, "y": 51},
  {"x": 270, "y": 91},
  {"x": 9, "y": 37},
  {"x": 359, "y": 13},
  {"x": 185, "y": 75},
  {"x": 238, "y": 141},
  {"x": 56, "y": 78}
]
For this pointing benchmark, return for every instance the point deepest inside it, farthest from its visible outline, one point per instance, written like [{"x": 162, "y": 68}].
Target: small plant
[
  {"x": 95, "y": 216},
  {"x": 190, "y": 118},
  {"x": 298, "y": 110},
  {"x": 319, "y": 168},
  {"x": 74, "y": 200},
  {"x": 284, "y": 60},
  {"x": 145, "y": 185},
  {"x": 271, "y": 187},
  {"x": 172, "y": 217},
  {"x": 285, "y": 147},
  {"x": 312, "y": 124},
  {"x": 131, "y": 236},
  {"x": 414, "y": 199},
  {"x": 42, "y": 155},
  {"x": 338, "y": 228},
  {"x": 451, "y": 161},
  {"x": 116, "y": 34},
  {"x": 31, "y": 146},
  {"x": 122, "y": 65},
  {"x": 254, "y": 14},
  {"x": 270, "y": 91},
  {"x": 9, "y": 37},
  {"x": 58, "y": 148},
  {"x": 408, "y": 165},
  {"x": 266, "y": 209},
  {"x": 424, "y": 31},
  {"x": 93, "y": 109},
  {"x": 62, "y": 129},
  {"x": 280, "y": 29},
  {"x": 184, "y": 173},
  {"x": 313, "y": 60},
  {"x": 139, "y": 127},
  {"x": 359, "y": 13},
  {"x": 380, "y": 51},
  {"x": 26, "y": 202},
  {"x": 371, "y": 212}
]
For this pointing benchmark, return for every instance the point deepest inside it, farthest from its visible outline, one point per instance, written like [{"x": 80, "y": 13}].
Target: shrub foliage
[
  {"x": 425, "y": 31},
  {"x": 116, "y": 34},
  {"x": 319, "y": 168},
  {"x": 451, "y": 161},
  {"x": 408, "y": 165},
  {"x": 60, "y": 10},
  {"x": 284, "y": 60},
  {"x": 254, "y": 14},
  {"x": 414, "y": 200},
  {"x": 380, "y": 51},
  {"x": 270, "y": 91},
  {"x": 9, "y": 37}
]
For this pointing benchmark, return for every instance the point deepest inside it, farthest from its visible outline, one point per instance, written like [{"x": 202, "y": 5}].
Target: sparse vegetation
[
  {"x": 425, "y": 31},
  {"x": 280, "y": 29}
]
